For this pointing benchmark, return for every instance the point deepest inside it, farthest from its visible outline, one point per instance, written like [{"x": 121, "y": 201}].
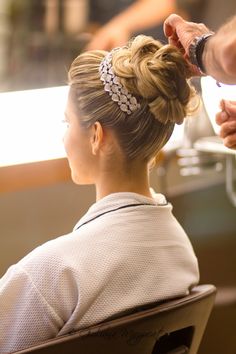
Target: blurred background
[{"x": 38, "y": 40}]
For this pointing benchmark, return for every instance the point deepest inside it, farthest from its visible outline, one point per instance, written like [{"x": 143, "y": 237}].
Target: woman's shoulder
[{"x": 50, "y": 254}]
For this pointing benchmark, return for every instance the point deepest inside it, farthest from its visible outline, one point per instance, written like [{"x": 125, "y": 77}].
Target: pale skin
[
  {"x": 219, "y": 55},
  {"x": 139, "y": 16},
  {"x": 218, "y": 58},
  {"x": 95, "y": 157},
  {"x": 227, "y": 121}
]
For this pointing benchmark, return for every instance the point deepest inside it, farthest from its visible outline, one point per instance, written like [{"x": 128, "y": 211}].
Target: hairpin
[{"x": 126, "y": 101}]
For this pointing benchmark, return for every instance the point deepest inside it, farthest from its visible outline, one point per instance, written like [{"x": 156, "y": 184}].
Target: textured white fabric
[{"x": 116, "y": 260}]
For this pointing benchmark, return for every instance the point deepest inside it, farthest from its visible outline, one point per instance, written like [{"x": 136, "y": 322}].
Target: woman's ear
[{"x": 96, "y": 139}]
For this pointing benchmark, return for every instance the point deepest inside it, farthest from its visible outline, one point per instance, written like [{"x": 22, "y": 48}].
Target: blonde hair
[{"x": 155, "y": 74}]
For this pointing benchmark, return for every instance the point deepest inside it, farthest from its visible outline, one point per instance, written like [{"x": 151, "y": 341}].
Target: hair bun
[{"x": 157, "y": 73}]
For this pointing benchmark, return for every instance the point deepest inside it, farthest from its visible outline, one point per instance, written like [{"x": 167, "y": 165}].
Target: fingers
[
  {"x": 227, "y": 120},
  {"x": 222, "y": 105},
  {"x": 228, "y": 128},
  {"x": 170, "y": 24},
  {"x": 228, "y": 133},
  {"x": 228, "y": 112},
  {"x": 230, "y": 141},
  {"x": 230, "y": 107},
  {"x": 221, "y": 117}
]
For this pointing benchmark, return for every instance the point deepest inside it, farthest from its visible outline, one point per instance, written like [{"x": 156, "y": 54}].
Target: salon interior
[{"x": 38, "y": 200}]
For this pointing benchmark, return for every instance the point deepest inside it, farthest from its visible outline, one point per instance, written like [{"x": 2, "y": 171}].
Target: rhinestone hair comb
[{"x": 126, "y": 101}]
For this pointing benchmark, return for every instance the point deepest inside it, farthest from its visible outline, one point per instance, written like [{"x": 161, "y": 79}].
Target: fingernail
[{"x": 224, "y": 116}]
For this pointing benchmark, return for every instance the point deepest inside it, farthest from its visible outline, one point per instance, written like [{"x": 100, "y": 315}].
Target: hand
[
  {"x": 227, "y": 121},
  {"x": 181, "y": 33},
  {"x": 108, "y": 37}
]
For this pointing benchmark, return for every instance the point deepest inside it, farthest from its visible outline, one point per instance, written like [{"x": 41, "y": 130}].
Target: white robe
[{"x": 127, "y": 250}]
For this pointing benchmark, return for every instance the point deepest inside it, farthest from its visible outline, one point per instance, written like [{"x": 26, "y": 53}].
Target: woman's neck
[{"x": 134, "y": 179}]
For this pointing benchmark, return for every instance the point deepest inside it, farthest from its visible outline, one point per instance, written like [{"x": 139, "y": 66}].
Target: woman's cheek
[{"x": 66, "y": 141}]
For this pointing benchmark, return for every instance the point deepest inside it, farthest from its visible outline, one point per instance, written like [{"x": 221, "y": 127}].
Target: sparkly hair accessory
[{"x": 126, "y": 101}]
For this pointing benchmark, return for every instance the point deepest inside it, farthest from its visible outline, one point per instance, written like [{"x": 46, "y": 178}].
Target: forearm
[
  {"x": 144, "y": 14},
  {"x": 219, "y": 56}
]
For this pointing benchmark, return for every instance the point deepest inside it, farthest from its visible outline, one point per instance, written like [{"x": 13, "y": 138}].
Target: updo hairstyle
[{"x": 155, "y": 74}]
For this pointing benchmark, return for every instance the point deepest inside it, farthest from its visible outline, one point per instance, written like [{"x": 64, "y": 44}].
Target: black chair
[{"x": 172, "y": 327}]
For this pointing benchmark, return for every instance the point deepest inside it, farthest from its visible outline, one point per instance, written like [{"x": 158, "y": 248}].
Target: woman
[{"x": 128, "y": 249}]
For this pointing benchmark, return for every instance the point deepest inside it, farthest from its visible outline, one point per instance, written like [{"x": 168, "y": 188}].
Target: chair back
[{"x": 172, "y": 327}]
